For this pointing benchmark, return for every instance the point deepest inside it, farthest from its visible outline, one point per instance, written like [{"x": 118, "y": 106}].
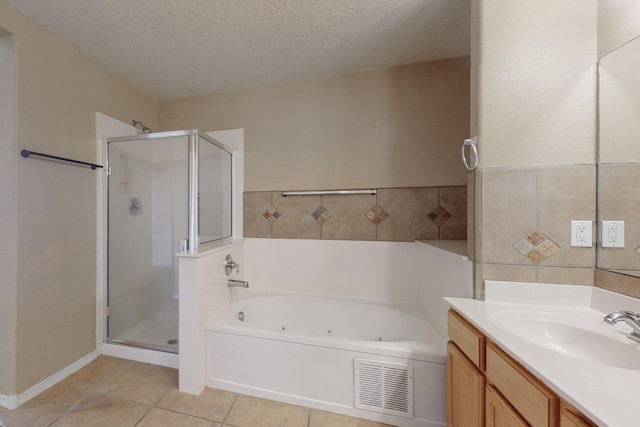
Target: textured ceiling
[{"x": 179, "y": 48}]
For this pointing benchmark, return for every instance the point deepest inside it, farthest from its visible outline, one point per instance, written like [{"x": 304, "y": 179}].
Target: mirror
[{"x": 619, "y": 155}]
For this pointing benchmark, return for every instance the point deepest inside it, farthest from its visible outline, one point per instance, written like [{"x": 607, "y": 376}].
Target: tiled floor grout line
[
  {"x": 145, "y": 415},
  {"x": 235, "y": 399}
]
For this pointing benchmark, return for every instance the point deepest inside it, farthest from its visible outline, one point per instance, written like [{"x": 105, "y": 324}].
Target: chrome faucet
[
  {"x": 630, "y": 318},
  {"x": 237, "y": 284}
]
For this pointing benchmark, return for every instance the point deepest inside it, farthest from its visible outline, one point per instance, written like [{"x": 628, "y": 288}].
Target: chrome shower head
[{"x": 140, "y": 126}]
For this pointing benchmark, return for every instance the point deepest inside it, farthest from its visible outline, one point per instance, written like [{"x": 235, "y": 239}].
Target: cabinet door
[
  {"x": 571, "y": 417},
  {"x": 528, "y": 395},
  {"x": 500, "y": 413},
  {"x": 465, "y": 390}
]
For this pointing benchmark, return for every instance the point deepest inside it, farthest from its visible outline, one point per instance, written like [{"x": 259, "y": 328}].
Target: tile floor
[{"x": 118, "y": 393}]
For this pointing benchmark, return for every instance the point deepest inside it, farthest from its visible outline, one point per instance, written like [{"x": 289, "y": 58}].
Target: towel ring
[{"x": 473, "y": 153}]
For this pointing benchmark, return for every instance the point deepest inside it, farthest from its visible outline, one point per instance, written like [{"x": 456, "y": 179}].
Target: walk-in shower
[{"x": 167, "y": 192}]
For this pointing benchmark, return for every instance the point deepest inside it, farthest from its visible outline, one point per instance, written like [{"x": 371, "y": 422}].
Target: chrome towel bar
[{"x": 327, "y": 192}]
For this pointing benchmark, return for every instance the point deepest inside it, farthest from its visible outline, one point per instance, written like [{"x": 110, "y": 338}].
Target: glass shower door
[{"x": 147, "y": 220}]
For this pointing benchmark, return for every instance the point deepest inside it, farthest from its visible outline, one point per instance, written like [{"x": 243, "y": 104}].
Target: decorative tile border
[
  {"x": 536, "y": 247},
  {"x": 406, "y": 214},
  {"x": 376, "y": 215},
  {"x": 321, "y": 215}
]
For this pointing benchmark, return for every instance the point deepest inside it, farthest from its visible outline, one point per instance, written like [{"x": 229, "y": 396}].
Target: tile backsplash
[
  {"x": 393, "y": 214},
  {"x": 523, "y": 233}
]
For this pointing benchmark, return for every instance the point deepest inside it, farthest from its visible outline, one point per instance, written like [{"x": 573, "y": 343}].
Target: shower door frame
[{"x": 192, "y": 241}]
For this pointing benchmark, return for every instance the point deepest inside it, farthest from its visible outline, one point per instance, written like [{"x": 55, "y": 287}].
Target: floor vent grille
[{"x": 383, "y": 387}]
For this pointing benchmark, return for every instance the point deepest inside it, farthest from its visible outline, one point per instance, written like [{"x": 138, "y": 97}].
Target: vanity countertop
[{"x": 607, "y": 394}]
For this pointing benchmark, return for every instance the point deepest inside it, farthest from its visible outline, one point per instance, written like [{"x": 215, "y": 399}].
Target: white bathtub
[{"x": 315, "y": 351}]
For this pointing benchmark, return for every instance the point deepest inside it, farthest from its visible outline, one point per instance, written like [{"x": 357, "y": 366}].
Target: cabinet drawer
[
  {"x": 538, "y": 405},
  {"x": 467, "y": 338}
]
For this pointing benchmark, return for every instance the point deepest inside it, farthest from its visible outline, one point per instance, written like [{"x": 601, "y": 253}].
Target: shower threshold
[{"x": 167, "y": 349}]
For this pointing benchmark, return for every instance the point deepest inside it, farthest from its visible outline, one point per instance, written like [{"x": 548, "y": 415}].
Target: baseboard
[
  {"x": 170, "y": 360},
  {"x": 12, "y": 402},
  {"x": 9, "y": 402}
]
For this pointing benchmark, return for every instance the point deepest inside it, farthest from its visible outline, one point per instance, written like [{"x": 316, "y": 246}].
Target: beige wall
[
  {"x": 533, "y": 109},
  {"x": 534, "y": 84},
  {"x": 618, "y": 22},
  {"x": 8, "y": 235},
  {"x": 398, "y": 127},
  {"x": 58, "y": 91}
]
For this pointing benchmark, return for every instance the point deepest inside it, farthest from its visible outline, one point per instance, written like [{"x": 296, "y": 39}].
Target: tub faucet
[
  {"x": 237, "y": 284},
  {"x": 630, "y": 318}
]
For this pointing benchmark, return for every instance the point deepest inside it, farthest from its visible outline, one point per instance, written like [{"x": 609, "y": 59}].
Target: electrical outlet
[
  {"x": 581, "y": 235},
  {"x": 613, "y": 234}
]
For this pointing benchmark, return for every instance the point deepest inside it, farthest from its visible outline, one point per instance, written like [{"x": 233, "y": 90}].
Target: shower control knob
[{"x": 230, "y": 265}]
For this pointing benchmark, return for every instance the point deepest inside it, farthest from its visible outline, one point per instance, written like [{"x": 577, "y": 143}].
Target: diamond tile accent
[
  {"x": 321, "y": 215},
  {"x": 271, "y": 214},
  {"x": 439, "y": 215},
  {"x": 536, "y": 247},
  {"x": 376, "y": 215}
]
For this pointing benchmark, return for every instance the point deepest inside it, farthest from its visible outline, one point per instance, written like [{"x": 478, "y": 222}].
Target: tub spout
[{"x": 237, "y": 284}]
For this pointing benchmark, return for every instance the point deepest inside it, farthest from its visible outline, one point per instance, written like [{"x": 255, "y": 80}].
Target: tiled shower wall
[{"x": 393, "y": 214}]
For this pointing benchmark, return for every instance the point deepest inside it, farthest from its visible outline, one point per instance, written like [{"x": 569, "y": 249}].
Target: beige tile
[
  {"x": 348, "y": 217},
  {"x": 211, "y": 404},
  {"x": 96, "y": 372},
  {"x": 565, "y": 194},
  {"x": 163, "y": 418},
  {"x": 471, "y": 211},
  {"x": 251, "y": 411},
  {"x": 328, "y": 419},
  {"x": 142, "y": 383},
  {"x": 508, "y": 213},
  {"x": 565, "y": 275},
  {"x": 477, "y": 220},
  {"x": 101, "y": 410},
  {"x": 408, "y": 209},
  {"x": 296, "y": 221},
  {"x": 254, "y": 206},
  {"x": 45, "y": 408},
  {"x": 454, "y": 200},
  {"x": 478, "y": 281},
  {"x": 514, "y": 273}
]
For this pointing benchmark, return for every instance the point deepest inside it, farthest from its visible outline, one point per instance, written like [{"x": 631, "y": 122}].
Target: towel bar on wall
[
  {"x": 27, "y": 153},
  {"x": 327, "y": 192}
]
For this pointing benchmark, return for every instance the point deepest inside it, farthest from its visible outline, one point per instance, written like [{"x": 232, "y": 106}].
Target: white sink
[{"x": 581, "y": 338}]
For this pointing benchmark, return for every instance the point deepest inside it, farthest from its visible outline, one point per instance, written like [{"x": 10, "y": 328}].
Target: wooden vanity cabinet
[
  {"x": 465, "y": 377},
  {"x": 486, "y": 387}
]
